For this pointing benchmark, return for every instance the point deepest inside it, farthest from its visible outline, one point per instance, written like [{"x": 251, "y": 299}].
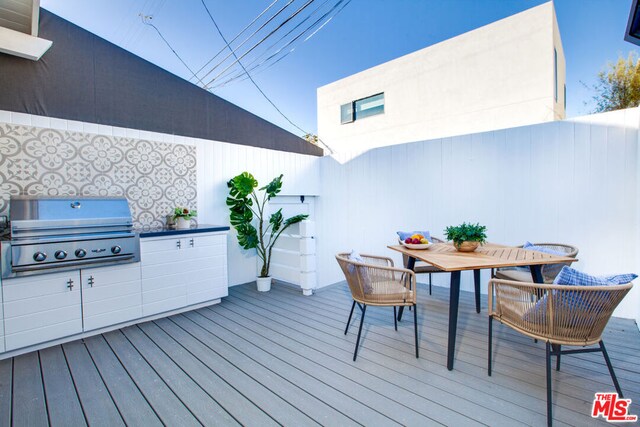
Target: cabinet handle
[
  {"x": 191, "y": 242},
  {"x": 70, "y": 284},
  {"x": 178, "y": 245},
  {"x": 90, "y": 281}
]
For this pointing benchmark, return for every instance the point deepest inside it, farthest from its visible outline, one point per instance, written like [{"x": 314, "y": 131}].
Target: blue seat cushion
[{"x": 530, "y": 246}]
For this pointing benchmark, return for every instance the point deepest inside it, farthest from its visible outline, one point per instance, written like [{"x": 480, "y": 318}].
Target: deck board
[
  {"x": 132, "y": 405},
  {"x": 6, "y": 380},
  {"x": 94, "y": 397},
  {"x": 29, "y": 405},
  {"x": 62, "y": 400},
  {"x": 280, "y": 358}
]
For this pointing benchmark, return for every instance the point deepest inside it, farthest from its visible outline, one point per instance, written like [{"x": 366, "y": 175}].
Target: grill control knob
[
  {"x": 60, "y": 254},
  {"x": 116, "y": 250},
  {"x": 80, "y": 253},
  {"x": 39, "y": 256}
]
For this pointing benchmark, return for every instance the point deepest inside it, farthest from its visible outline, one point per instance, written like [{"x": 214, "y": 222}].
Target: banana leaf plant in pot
[
  {"x": 250, "y": 206},
  {"x": 466, "y": 237}
]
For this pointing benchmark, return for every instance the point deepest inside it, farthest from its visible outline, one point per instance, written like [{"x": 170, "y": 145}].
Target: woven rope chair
[
  {"x": 549, "y": 271},
  {"x": 422, "y": 268},
  {"x": 377, "y": 282},
  {"x": 563, "y": 315}
]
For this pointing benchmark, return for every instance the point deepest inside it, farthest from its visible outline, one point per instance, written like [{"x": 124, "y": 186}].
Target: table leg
[
  {"x": 411, "y": 263},
  {"x": 454, "y": 296},
  {"x": 536, "y": 273},
  {"x": 476, "y": 284}
]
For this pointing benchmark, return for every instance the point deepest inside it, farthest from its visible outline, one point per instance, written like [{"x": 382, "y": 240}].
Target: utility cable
[
  {"x": 240, "y": 75},
  {"x": 252, "y": 80},
  {"x": 146, "y": 19},
  {"x": 260, "y": 42},
  {"x": 237, "y": 35},
  {"x": 248, "y": 38},
  {"x": 233, "y": 74}
]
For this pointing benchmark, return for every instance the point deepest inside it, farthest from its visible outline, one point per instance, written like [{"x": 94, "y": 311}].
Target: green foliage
[
  {"x": 619, "y": 85},
  {"x": 182, "y": 212},
  {"x": 466, "y": 232},
  {"x": 245, "y": 206}
]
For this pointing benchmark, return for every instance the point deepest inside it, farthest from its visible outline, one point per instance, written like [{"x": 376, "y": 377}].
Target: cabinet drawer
[{"x": 169, "y": 244}]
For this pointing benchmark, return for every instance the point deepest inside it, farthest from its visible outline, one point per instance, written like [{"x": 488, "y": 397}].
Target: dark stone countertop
[{"x": 166, "y": 231}]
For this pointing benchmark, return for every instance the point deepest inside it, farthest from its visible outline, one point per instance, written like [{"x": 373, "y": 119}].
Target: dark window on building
[{"x": 361, "y": 108}]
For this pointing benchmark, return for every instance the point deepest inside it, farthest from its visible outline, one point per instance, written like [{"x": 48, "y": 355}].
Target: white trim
[{"x": 23, "y": 45}]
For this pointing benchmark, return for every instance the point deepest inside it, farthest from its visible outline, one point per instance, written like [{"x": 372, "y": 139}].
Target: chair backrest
[
  {"x": 375, "y": 280},
  {"x": 562, "y": 314},
  {"x": 405, "y": 257},
  {"x": 550, "y": 271}
]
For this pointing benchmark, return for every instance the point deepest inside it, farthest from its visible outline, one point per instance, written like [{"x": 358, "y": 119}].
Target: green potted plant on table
[
  {"x": 246, "y": 205},
  {"x": 466, "y": 237},
  {"x": 183, "y": 216}
]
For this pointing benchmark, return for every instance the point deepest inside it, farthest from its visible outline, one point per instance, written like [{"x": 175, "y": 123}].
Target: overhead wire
[
  {"x": 251, "y": 78},
  {"x": 237, "y": 35},
  {"x": 266, "y": 51},
  {"x": 261, "y": 41},
  {"x": 241, "y": 75},
  {"x": 248, "y": 38},
  {"x": 147, "y": 21}
]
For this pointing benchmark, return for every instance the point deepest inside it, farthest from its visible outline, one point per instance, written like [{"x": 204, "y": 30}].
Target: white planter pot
[
  {"x": 264, "y": 284},
  {"x": 183, "y": 224}
]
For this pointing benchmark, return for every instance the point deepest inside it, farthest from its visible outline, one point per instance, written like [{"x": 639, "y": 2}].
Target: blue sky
[{"x": 366, "y": 33}]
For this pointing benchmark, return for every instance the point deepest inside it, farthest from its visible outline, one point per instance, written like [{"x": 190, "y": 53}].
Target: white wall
[
  {"x": 495, "y": 77},
  {"x": 574, "y": 181}
]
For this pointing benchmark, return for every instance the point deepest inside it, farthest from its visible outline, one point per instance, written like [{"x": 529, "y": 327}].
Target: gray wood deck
[{"x": 280, "y": 358}]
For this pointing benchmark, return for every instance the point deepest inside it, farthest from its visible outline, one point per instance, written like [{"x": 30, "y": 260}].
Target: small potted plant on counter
[
  {"x": 182, "y": 216},
  {"x": 466, "y": 237},
  {"x": 246, "y": 205}
]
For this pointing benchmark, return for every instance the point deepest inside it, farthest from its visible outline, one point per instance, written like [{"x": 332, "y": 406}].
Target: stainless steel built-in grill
[{"x": 54, "y": 233}]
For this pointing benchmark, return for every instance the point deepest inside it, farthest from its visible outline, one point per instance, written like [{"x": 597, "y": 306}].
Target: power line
[
  {"x": 260, "y": 42},
  {"x": 240, "y": 74},
  {"x": 251, "y": 78},
  {"x": 146, "y": 19},
  {"x": 248, "y": 38},
  {"x": 266, "y": 51},
  {"x": 240, "y": 33}
]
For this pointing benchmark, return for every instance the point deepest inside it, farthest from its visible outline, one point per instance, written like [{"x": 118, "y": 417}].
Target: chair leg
[
  {"x": 549, "y": 403},
  {"x": 490, "y": 345},
  {"x": 350, "y": 315},
  {"x": 415, "y": 327},
  {"x": 355, "y": 352},
  {"x": 429, "y": 283},
  {"x": 395, "y": 318},
  {"x": 610, "y": 366},
  {"x": 558, "y": 348}
]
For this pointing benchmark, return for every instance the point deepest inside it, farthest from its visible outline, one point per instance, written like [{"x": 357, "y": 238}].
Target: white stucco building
[{"x": 505, "y": 74}]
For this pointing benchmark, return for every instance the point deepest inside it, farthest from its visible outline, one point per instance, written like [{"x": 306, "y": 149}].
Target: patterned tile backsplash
[{"x": 154, "y": 176}]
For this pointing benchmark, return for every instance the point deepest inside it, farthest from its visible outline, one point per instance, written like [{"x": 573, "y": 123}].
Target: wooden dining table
[{"x": 488, "y": 256}]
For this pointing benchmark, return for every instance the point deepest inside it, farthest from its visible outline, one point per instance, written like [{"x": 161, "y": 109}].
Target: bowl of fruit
[{"x": 416, "y": 241}]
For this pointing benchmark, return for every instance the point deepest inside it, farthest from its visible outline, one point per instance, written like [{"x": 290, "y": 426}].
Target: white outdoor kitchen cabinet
[
  {"x": 1, "y": 324},
  {"x": 111, "y": 295},
  {"x": 41, "y": 308},
  {"x": 182, "y": 270}
]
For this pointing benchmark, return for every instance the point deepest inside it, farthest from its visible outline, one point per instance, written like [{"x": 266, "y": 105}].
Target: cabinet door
[
  {"x": 207, "y": 263},
  {"x": 1, "y": 321},
  {"x": 163, "y": 281},
  {"x": 41, "y": 308},
  {"x": 111, "y": 295}
]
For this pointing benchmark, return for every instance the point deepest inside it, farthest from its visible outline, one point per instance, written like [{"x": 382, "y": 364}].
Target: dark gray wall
[{"x": 84, "y": 77}]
